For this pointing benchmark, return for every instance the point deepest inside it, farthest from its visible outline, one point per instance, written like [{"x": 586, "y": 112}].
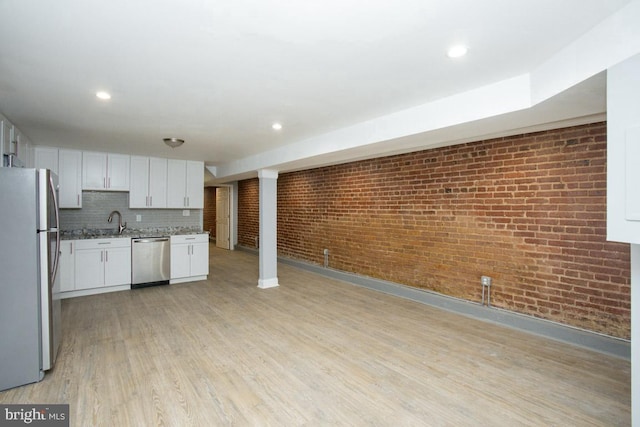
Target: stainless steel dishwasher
[{"x": 150, "y": 261}]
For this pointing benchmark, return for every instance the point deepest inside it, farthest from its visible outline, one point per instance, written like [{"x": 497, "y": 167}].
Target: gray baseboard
[{"x": 540, "y": 327}]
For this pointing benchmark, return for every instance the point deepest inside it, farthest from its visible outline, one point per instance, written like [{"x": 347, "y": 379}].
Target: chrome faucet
[{"x": 120, "y": 226}]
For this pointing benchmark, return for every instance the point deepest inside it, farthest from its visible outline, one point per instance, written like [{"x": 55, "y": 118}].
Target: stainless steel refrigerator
[{"x": 30, "y": 306}]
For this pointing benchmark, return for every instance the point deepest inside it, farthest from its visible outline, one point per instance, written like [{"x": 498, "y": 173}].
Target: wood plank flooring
[{"x": 313, "y": 351}]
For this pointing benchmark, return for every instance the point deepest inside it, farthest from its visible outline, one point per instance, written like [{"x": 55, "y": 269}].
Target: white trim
[
  {"x": 187, "y": 279},
  {"x": 268, "y": 283},
  {"x": 94, "y": 291}
]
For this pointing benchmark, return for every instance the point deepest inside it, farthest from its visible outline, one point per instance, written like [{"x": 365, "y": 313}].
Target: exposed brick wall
[
  {"x": 248, "y": 214},
  {"x": 527, "y": 210},
  {"x": 209, "y": 211}
]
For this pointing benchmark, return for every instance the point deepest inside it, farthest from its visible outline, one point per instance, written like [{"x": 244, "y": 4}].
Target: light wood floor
[{"x": 312, "y": 352}]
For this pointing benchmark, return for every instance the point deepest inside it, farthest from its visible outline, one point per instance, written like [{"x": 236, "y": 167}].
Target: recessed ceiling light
[
  {"x": 103, "y": 95},
  {"x": 276, "y": 126},
  {"x": 457, "y": 51}
]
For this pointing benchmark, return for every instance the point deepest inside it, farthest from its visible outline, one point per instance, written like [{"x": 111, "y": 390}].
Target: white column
[{"x": 268, "y": 229}]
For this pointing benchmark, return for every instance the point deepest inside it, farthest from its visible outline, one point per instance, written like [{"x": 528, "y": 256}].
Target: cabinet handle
[
  {"x": 106, "y": 256},
  {"x": 109, "y": 182},
  {"x": 104, "y": 182},
  {"x": 146, "y": 201},
  {"x": 150, "y": 200},
  {"x": 188, "y": 201},
  {"x": 71, "y": 249},
  {"x": 101, "y": 256}
]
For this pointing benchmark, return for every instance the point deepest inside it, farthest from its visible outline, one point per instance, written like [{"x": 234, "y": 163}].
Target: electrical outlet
[
  {"x": 186, "y": 212},
  {"x": 485, "y": 280},
  {"x": 326, "y": 252},
  {"x": 138, "y": 218}
]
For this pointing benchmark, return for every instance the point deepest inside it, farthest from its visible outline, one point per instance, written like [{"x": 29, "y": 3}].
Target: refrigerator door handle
[{"x": 56, "y": 261}]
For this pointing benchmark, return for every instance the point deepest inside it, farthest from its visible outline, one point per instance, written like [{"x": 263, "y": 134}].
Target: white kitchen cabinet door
[
  {"x": 139, "y": 182},
  {"x": 94, "y": 171},
  {"x": 70, "y": 178},
  {"x": 89, "y": 268},
  {"x": 185, "y": 184},
  {"x": 5, "y": 138},
  {"x": 118, "y": 172},
  {"x": 15, "y": 145},
  {"x": 102, "y": 171},
  {"x": 180, "y": 261},
  {"x": 117, "y": 266},
  {"x": 45, "y": 158},
  {"x": 103, "y": 262},
  {"x": 195, "y": 185},
  {"x": 176, "y": 183},
  {"x": 23, "y": 148},
  {"x": 189, "y": 256},
  {"x": 67, "y": 266},
  {"x": 148, "y": 183},
  {"x": 199, "y": 259},
  {"x": 157, "y": 182}
]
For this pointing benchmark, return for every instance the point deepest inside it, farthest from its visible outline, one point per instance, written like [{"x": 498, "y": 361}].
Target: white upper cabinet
[
  {"x": 70, "y": 178},
  {"x": 23, "y": 145},
  {"x": 195, "y": 184},
  {"x": 185, "y": 184},
  {"x": 176, "y": 183},
  {"x": 13, "y": 142},
  {"x": 152, "y": 182},
  {"x": 45, "y": 158},
  {"x": 102, "y": 171},
  {"x": 157, "y": 182},
  {"x": 148, "y": 184},
  {"x": 139, "y": 182},
  {"x": 623, "y": 151},
  {"x": 5, "y": 138}
]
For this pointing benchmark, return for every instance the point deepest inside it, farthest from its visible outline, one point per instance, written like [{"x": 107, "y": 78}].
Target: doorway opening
[{"x": 216, "y": 217}]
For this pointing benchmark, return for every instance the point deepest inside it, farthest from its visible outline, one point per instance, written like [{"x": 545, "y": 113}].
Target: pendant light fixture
[{"x": 173, "y": 142}]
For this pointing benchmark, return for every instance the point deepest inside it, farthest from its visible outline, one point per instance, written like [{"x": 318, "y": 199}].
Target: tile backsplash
[{"x": 97, "y": 205}]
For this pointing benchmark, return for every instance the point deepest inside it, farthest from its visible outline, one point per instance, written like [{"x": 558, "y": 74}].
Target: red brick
[{"x": 528, "y": 210}]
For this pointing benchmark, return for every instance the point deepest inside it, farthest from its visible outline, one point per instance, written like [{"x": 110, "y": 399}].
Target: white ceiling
[{"x": 346, "y": 78}]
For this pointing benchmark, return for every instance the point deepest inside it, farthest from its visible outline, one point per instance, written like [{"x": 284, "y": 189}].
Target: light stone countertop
[{"x": 126, "y": 233}]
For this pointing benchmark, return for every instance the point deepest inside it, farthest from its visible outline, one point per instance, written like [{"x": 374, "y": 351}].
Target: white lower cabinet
[
  {"x": 189, "y": 257},
  {"x": 92, "y": 266},
  {"x": 67, "y": 266},
  {"x": 102, "y": 263}
]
